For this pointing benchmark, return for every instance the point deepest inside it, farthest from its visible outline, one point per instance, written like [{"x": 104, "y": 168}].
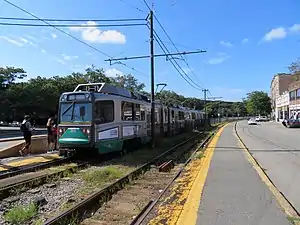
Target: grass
[
  {"x": 294, "y": 220},
  {"x": 20, "y": 214},
  {"x": 99, "y": 176},
  {"x": 199, "y": 155}
]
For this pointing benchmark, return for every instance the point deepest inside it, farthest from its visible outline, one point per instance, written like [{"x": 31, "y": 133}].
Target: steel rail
[
  {"x": 5, "y": 191},
  {"x": 27, "y": 168},
  {"x": 145, "y": 212},
  {"x": 95, "y": 200}
]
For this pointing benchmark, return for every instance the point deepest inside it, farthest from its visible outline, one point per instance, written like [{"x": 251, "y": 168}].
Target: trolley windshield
[{"x": 76, "y": 112}]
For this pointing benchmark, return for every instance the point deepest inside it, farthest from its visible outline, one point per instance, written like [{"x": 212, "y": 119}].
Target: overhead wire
[
  {"x": 72, "y": 25},
  {"x": 183, "y": 58},
  {"x": 73, "y": 20},
  {"x": 165, "y": 51},
  {"x": 132, "y": 6},
  {"x": 195, "y": 85},
  {"x": 198, "y": 86},
  {"x": 71, "y": 36}
]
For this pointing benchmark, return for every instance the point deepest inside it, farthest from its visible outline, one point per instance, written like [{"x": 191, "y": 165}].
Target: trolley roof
[{"x": 106, "y": 88}]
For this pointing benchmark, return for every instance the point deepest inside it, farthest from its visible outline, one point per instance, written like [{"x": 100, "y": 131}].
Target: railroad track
[
  {"x": 31, "y": 168},
  {"x": 161, "y": 164},
  {"x": 7, "y": 188}
]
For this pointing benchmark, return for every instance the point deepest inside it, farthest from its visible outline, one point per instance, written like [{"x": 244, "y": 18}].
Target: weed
[
  {"x": 20, "y": 214},
  {"x": 199, "y": 155},
  {"x": 38, "y": 222},
  {"x": 294, "y": 220},
  {"x": 100, "y": 176}
]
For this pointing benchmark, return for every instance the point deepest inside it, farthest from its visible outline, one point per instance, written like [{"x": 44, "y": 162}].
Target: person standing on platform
[
  {"x": 26, "y": 130},
  {"x": 50, "y": 133}
]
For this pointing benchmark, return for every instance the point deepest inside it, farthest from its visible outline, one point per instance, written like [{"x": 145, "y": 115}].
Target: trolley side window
[
  {"x": 104, "y": 111},
  {"x": 139, "y": 112},
  {"x": 127, "y": 110},
  {"x": 193, "y": 116},
  {"x": 143, "y": 112}
]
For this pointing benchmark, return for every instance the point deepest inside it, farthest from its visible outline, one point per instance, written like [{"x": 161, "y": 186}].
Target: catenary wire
[
  {"x": 71, "y": 36},
  {"x": 71, "y": 20},
  {"x": 71, "y": 25}
]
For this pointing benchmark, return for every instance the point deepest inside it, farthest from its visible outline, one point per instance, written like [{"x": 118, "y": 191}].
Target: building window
[
  {"x": 298, "y": 94},
  {"x": 292, "y": 95},
  {"x": 127, "y": 111},
  {"x": 104, "y": 112}
]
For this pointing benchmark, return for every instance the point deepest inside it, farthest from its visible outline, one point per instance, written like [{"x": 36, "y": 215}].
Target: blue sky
[{"x": 247, "y": 42}]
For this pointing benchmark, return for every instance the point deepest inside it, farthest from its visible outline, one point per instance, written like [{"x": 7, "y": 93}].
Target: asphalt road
[
  {"x": 277, "y": 150},
  {"x": 234, "y": 194},
  {"x": 7, "y": 144},
  {"x": 12, "y": 132},
  {"x": 16, "y": 128}
]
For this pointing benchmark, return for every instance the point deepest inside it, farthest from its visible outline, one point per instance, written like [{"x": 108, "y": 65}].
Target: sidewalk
[
  {"x": 233, "y": 192},
  {"x": 221, "y": 188}
]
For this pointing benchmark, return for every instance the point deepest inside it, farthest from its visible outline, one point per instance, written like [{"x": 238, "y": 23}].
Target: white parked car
[{"x": 252, "y": 121}]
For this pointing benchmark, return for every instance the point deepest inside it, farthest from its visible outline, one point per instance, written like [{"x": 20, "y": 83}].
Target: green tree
[
  {"x": 295, "y": 66},
  {"x": 258, "y": 102},
  {"x": 129, "y": 82},
  {"x": 9, "y": 75}
]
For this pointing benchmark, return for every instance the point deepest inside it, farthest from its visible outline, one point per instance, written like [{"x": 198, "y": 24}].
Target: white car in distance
[{"x": 252, "y": 121}]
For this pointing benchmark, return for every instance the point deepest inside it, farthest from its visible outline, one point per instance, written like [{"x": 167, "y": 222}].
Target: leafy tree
[
  {"x": 9, "y": 74},
  {"x": 258, "y": 102},
  {"x": 129, "y": 82},
  {"x": 295, "y": 66}
]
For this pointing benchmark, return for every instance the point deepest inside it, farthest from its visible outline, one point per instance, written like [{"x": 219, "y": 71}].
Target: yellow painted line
[
  {"x": 284, "y": 204},
  {"x": 181, "y": 204},
  {"x": 190, "y": 210},
  {"x": 33, "y": 160}
]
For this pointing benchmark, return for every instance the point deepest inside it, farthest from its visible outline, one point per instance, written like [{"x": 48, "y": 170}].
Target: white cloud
[
  {"x": 12, "y": 41},
  {"x": 226, "y": 44},
  {"x": 43, "y": 50},
  {"x": 277, "y": 33},
  {"x": 69, "y": 57},
  {"x": 295, "y": 28},
  {"x": 112, "y": 72},
  {"x": 61, "y": 61},
  {"x": 95, "y": 35},
  {"x": 221, "y": 57},
  {"x": 54, "y": 36},
  {"x": 27, "y": 42},
  {"x": 245, "y": 40}
]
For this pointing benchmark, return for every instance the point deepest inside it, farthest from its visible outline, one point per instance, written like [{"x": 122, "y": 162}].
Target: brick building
[
  {"x": 294, "y": 95},
  {"x": 279, "y": 85}
]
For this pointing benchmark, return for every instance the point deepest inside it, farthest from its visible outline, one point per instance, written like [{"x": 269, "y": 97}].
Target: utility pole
[
  {"x": 205, "y": 109},
  {"x": 152, "y": 78},
  {"x": 219, "y": 112}
]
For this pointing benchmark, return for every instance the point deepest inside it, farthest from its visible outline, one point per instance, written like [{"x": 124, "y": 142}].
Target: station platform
[
  {"x": 29, "y": 160},
  {"x": 224, "y": 187}
]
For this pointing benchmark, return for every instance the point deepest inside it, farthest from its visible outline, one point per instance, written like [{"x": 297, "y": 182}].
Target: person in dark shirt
[{"x": 26, "y": 129}]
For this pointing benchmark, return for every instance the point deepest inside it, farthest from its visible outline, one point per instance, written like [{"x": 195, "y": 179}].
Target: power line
[
  {"x": 132, "y": 6},
  {"x": 159, "y": 41},
  {"x": 185, "y": 60},
  {"x": 71, "y": 36},
  {"x": 72, "y": 25},
  {"x": 174, "y": 64},
  {"x": 72, "y": 20}
]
